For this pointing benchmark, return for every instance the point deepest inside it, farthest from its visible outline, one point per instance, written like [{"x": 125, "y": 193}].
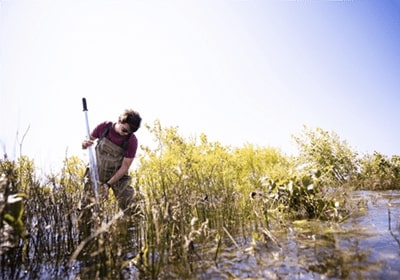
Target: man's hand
[
  {"x": 104, "y": 191},
  {"x": 86, "y": 143}
]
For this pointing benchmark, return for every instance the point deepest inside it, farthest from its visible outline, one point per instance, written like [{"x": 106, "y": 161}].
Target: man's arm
[{"x": 126, "y": 164}]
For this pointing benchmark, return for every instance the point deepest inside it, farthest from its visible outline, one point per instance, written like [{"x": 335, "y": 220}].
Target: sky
[{"x": 240, "y": 72}]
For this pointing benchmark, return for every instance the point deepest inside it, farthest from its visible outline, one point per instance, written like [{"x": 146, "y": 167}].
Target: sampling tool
[{"x": 92, "y": 159}]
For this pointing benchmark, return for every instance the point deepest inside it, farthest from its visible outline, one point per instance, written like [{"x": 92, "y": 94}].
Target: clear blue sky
[{"x": 238, "y": 71}]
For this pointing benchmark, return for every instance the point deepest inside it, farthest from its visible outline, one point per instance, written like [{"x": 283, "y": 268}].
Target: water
[
  {"x": 382, "y": 223},
  {"x": 366, "y": 246}
]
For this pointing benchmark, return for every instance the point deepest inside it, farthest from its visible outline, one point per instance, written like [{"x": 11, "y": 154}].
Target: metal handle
[{"x": 84, "y": 104}]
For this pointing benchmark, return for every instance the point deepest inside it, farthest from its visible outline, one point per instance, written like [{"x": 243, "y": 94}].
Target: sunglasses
[{"x": 124, "y": 130}]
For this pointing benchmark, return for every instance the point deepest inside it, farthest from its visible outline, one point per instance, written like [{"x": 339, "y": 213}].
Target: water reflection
[
  {"x": 303, "y": 254},
  {"x": 364, "y": 247},
  {"x": 107, "y": 247}
]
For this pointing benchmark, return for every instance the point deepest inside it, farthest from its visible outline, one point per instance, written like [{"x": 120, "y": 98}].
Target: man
[{"x": 115, "y": 150}]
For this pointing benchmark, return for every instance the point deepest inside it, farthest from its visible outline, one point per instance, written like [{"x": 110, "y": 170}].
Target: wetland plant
[{"x": 194, "y": 198}]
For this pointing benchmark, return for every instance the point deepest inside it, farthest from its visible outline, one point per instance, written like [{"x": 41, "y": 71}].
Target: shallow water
[
  {"x": 382, "y": 224},
  {"x": 366, "y": 246}
]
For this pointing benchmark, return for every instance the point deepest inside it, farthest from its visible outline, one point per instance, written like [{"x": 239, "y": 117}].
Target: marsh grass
[
  {"x": 62, "y": 242},
  {"x": 194, "y": 200}
]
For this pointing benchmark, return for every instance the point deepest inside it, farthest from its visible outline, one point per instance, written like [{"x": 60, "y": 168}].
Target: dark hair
[{"x": 132, "y": 118}]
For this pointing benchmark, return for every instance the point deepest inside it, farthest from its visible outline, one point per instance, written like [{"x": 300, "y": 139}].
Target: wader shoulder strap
[{"x": 106, "y": 131}]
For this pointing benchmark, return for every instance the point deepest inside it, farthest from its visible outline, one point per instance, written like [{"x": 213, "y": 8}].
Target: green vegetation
[{"x": 194, "y": 195}]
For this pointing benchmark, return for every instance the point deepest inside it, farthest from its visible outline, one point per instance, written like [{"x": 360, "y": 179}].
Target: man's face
[{"x": 123, "y": 128}]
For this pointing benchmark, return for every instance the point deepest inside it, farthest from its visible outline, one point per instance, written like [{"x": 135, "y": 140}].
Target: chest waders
[{"x": 109, "y": 160}]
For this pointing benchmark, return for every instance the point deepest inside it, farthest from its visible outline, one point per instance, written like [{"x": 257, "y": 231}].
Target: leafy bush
[
  {"x": 327, "y": 153},
  {"x": 379, "y": 172}
]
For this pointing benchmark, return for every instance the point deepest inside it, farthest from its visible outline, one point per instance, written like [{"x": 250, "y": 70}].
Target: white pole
[{"x": 92, "y": 158}]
